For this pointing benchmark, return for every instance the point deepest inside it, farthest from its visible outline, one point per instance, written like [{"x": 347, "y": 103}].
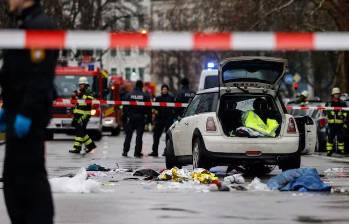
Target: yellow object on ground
[
  {"x": 251, "y": 120},
  {"x": 179, "y": 175},
  {"x": 203, "y": 176}
]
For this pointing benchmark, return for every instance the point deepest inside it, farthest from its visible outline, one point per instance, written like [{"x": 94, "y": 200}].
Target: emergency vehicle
[{"x": 66, "y": 82}]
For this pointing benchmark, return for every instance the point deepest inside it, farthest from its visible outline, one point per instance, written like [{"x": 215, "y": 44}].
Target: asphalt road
[{"x": 132, "y": 201}]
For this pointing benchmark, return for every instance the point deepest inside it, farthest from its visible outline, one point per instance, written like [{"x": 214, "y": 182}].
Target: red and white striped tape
[
  {"x": 70, "y": 102},
  {"x": 317, "y": 108},
  {"x": 175, "y": 40}
]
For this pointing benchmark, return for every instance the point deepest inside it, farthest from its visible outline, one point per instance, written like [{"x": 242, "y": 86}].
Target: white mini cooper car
[{"x": 207, "y": 136}]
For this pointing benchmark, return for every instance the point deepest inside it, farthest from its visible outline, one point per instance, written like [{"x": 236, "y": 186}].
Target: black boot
[
  {"x": 153, "y": 154},
  {"x": 329, "y": 153},
  {"x": 138, "y": 155},
  {"x": 75, "y": 151}
]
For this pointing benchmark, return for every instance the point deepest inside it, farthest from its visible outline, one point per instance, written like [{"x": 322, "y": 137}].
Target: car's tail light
[
  {"x": 323, "y": 122},
  {"x": 210, "y": 124},
  {"x": 291, "y": 129}
]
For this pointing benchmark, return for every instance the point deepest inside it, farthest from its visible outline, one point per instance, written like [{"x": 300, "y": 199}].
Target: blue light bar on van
[{"x": 210, "y": 65}]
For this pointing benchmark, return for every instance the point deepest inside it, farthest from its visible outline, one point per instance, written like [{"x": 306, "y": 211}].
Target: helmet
[
  {"x": 336, "y": 90},
  {"x": 305, "y": 94},
  {"x": 83, "y": 80}
]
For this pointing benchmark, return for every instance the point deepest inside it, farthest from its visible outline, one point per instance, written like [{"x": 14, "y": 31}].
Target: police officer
[
  {"x": 28, "y": 89},
  {"x": 336, "y": 123},
  {"x": 82, "y": 114},
  {"x": 136, "y": 118},
  {"x": 185, "y": 95},
  {"x": 164, "y": 117}
]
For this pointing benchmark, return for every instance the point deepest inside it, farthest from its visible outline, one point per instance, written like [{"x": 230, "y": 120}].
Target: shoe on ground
[
  {"x": 329, "y": 154},
  {"x": 75, "y": 151},
  {"x": 140, "y": 155},
  {"x": 124, "y": 154},
  {"x": 153, "y": 154}
]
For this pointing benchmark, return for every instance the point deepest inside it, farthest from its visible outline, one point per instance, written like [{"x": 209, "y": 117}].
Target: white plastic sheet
[
  {"x": 77, "y": 184},
  {"x": 257, "y": 185}
]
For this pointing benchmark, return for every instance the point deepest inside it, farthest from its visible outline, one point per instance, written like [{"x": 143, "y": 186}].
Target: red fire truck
[{"x": 66, "y": 82}]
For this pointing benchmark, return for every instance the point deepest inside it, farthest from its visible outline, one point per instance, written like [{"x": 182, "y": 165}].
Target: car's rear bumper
[
  {"x": 273, "y": 151},
  {"x": 242, "y": 159},
  {"x": 235, "y": 145}
]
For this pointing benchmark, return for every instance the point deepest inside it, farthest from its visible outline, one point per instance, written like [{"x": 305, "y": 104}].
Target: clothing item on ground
[{"x": 95, "y": 167}]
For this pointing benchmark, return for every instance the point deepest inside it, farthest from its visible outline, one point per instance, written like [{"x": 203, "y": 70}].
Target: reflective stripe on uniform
[
  {"x": 329, "y": 146},
  {"x": 86, "y": 138},
  {"x": 79, "y": 139},
  {"x": 83, "y": 112},
  {"x": 88, "y": 142}
]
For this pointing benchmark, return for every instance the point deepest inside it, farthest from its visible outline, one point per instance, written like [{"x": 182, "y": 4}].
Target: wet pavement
[{"x": 135, "y": 201}]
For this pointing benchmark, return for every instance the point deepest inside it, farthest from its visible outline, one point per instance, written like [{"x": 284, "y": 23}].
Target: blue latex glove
[
  {"x": 2, "y": 120},
  {"x": 22, "y": 125}
]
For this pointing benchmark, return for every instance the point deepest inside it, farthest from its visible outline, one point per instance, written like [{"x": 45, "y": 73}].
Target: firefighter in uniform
[
  {"x": 82, "y": 114},
  {"x": 27, "y": 81},
  {"x": 136, "y": 117},
  {"x": 185, "y": 95},
  {"x": 336, "y": 123},
  {"x": 163, "y": 118}
]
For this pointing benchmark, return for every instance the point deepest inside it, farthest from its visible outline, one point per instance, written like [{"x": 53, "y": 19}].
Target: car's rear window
[
  {"x": 211, "y": 82},
  {"x": 252, "y": 71}
]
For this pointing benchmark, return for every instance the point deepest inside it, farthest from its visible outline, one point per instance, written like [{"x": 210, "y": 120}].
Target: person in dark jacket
[
  {"x": 27, "y": 79},
  {"x": 136, "y": 117},
  {"x": 82, "y": 115},
  {"x": 185, "y": 95},
  {"x": 163, "y": 118}
]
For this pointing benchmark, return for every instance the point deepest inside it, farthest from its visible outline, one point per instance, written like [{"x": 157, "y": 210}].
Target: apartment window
[
  {"x": 127, "y": 52},
  {"x": 141, "y": 73},
  {"x": 113, "y": 52},
  {"x": 128, "y": 23},
  {"x": 113, "y": 71},
  {"x": 128, "y": 73},
  {"x": 141, "y": 21}
]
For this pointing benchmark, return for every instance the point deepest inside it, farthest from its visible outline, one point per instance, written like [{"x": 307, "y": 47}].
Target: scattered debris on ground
[
  {"x": 337, "y": 172},
  {"x": 97, "y": 178},
  {"x": 149, "y": 174}
]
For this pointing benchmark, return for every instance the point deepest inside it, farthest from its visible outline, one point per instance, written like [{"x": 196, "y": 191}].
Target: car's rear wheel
[
  {"x": 170, "y": 157},
  {"x": 199, "y": 160}
]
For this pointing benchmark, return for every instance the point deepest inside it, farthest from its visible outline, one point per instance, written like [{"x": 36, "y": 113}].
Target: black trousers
[
  {"x": 131, "y": 125},
  {"x": 27, "y": 191},
  {"x": 160, "y": 127},
  {"x": 82, "y": 137}
]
